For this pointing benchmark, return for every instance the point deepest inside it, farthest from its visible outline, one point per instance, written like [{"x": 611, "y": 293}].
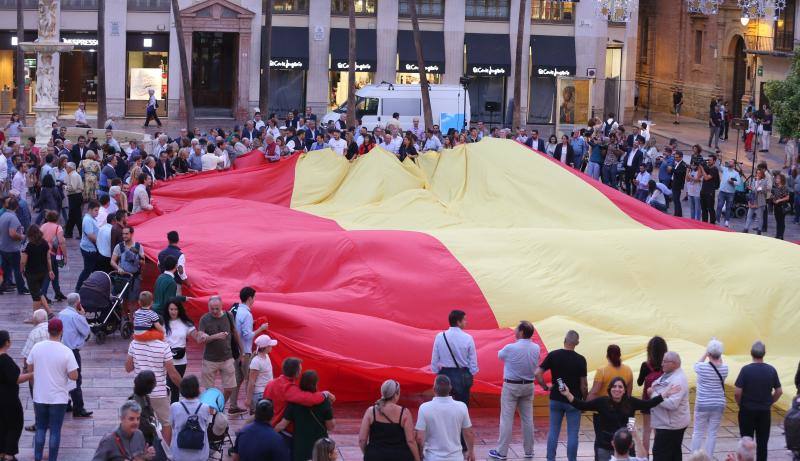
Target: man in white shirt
[
  {"x": 388, "y": 144},
  {"x": 243, "y": 321},
  {"x": 141, "y": 200},
  {"x": 338, "y": 144},
  {"x": 441, "y": 423},
  {"x": 112, "y": 142},
  {"x": 394, "y": 122},
  {"x": 161, "y": 146},
  {"x": 210, "y": 161},
  {"x": 454, "y": 356},
  {"x": 645, "y": 132},
  {"x": 520, "y": 359},
  {"x": 522, "y": 136},
  {"x": 104, "y": 241},
  {"x": 54, "y": 366},
  {"x": 80, "y": 116},
  {"x": 258, "y": 124},
  {"x": 431, "y": 142}
]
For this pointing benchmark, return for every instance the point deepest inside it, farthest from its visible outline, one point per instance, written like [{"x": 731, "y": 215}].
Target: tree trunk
[
  {"x": 423, "y": 76},
  {"x": 351, "y": 64},
  {"x": 19, "y": 66},
  {"x": 101, "y": 64},
  {"x": 266, "y": 56},
  {"x": 186, "y": 80},
  {"x": 517, "y": 116}
]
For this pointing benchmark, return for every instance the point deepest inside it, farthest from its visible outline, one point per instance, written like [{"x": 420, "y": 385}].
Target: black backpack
[
  {"x": 791, "y": 425},
  {"x": 192, "y": 436}
]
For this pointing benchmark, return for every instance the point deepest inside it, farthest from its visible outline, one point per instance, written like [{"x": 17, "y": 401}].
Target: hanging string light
[
  {"x": 703, "y": 6},
  {"x": 615, "y": 10},
  {"x": 761, "y": 9}
]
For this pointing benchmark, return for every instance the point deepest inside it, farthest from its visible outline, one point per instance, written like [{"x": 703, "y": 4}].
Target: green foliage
[{"x": 784, "y": 97}]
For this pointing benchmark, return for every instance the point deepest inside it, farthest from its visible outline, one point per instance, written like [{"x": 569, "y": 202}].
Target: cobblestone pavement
[{"x": 106, "y": 385}]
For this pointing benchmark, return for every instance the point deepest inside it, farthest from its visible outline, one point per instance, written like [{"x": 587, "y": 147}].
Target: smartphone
[
  {"x": 631, "y": 424},
  {"x": 561, "y": 385}
]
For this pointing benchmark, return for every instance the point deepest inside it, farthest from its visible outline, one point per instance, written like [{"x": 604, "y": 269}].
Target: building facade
[
  {"x": 707, "y": 56},
  {"x": 576, "y": 64}
]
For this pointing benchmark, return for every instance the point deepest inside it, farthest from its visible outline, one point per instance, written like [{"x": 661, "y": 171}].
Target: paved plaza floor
[{"x": 106, "y": 385}]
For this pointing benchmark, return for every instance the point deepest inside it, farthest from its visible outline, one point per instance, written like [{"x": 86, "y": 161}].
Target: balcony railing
[
  {"x": 149, "y": 5},
  {"x": 768, "y": 45}
]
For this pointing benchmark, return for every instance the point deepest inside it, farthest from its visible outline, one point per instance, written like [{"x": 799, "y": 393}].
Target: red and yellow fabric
[{"x": 358, "y": 270}]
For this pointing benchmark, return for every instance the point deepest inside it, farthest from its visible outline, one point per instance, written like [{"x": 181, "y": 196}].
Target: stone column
[
  {"x": 254, "y": 48},
  {"x": 629, "y": 60},
  {"x": 174, "y": 82},
  {"x": 47, "y": 47},
  {"x": 116, "y": 55},
  {"x": 243, "y": 84},
  {"x": 387, "y": 41},
  {"x": 454, "y": 40},
  {"x": 591, "y": 38},
  {"x": 513, "y": 25},
  {"x": 319, "y": 29}
]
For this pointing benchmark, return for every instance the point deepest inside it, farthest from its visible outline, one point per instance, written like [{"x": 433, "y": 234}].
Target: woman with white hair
[
  {"x": 710, "y": 401},
  {"x": 387, "y": 429}
]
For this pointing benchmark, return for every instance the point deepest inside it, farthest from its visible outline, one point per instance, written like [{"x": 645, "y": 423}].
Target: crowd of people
[{"x": 93, "y": 186}]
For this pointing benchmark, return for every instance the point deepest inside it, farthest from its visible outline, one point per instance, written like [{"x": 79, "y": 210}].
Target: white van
[{"x": 375, "y": 105}]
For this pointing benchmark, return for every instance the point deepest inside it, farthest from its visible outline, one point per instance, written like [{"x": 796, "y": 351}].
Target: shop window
[
  {"x": 149, "y": 5},
  {"x": 363, "y": 7},
  {"x": 405, "y": 106},
  {"x": 487, "y": 9},
  {"x": 698, "y": 47},
  {"x": 339, "y": 88},
  {"x": 286, "y": 90},
  {"x": 79, "y": 4},
  {"x": 784, "y": 28},
  {"x": 425, "y": 8},
  {"x": 290, "y": 6},
  {"x": 412, "y": 78},
  {"x": 552, "y": 11},
  {"x": 542, "y": 105},
  {"x": 146, "y": 70}
]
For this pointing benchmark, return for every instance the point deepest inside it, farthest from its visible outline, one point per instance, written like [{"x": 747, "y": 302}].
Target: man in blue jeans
[
  {"x": 570, "y": 367},
  {"x": 11, "y": 236},
  {"x": 729, "y": 179},
  {"x": 88, "y": 242},
  {"x": 53, "y": 366}
]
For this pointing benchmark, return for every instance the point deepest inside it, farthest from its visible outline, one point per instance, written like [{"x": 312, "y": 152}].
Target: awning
[
  {"x": 553, "y": 55},
  {"x": 432, "y": 50},
  {"x": 366, "y": 50},
  {"x": 488, "y": 54},
  {"x": 289, "y": 48}
]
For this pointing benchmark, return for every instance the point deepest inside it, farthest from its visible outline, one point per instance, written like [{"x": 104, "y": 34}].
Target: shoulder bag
[{"x": 466, "y": 376}]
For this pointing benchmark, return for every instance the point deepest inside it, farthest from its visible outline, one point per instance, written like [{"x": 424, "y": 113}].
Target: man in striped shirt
[{"x": 156, "y": 356}]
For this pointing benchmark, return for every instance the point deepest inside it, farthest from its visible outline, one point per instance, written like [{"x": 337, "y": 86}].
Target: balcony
[{"x": 768, "y": 45}]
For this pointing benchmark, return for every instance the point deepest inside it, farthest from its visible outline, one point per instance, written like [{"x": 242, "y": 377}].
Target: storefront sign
[
  {"x": 431, "y": 69},
  {"x": 489, "y": 70},
  {"x": 360, "y": 66},
  {"x": 288, "y": 64},
  {"x": 80, "y": 41},
  {"x": 553, "y": 72}
]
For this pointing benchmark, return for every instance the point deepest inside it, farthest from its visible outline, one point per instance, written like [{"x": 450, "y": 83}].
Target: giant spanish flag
[{"x": 357, "y": 265}]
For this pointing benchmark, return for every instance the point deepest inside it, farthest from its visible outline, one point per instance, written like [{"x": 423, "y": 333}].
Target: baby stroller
[
  {"x": 217, "y": 431},
  {"x": 101, "y": 297}
]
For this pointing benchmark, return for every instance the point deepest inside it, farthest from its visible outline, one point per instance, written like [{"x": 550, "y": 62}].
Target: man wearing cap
[
  {"x": 260, "y": 370},
  {"x": 243, "y": 321},
  {"x": 76, "y": 330},
  {"x": 258, "y": 440},
  {"x": 53, "y": 366}
]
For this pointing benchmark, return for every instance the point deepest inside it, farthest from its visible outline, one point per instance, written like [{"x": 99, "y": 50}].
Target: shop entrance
[
  {"x": 78, "y": 81},
  {"x": 214, "y": 71}
]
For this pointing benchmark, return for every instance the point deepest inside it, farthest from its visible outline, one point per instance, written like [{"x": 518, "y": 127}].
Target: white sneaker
[{"x": 727, "y": 224}]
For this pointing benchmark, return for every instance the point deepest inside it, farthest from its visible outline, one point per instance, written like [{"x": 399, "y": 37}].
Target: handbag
[{"x": 178, "y": 352}]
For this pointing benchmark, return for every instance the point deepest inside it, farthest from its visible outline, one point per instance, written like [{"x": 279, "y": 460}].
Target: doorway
[
  {"x": 78, "y": 80},
  {"x": 214, "y": 72},
  {"x": 739, "y": 76}
]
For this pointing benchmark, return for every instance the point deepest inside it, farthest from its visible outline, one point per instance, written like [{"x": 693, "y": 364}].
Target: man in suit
[
  {"x": 678, "y": 182},
  {"x": 632, "y": 161},
  {"x": 78, "y": 151},
  {"x": 310, "y": 115},
  {"x": 535, "y": 142},
  {"x": 249, "y": 131},
  {"x": 163, "y": 167},
  {"x": 311, "y": 132}
]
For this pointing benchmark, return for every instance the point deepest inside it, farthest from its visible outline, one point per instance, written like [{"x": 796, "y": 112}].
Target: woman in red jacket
[{"x": 367, "y": 145}]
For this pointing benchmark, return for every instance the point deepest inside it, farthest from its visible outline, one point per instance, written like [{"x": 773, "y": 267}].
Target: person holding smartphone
[{"x": 614, "y": 411}]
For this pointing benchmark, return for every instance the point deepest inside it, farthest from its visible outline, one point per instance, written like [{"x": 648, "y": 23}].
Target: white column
[
  {"x": 591, "y": 37},
  {"x": 629, "y": 58},
  {"x": 174, "y": 81},
  {"x": 319, "y": 29},
  {"x": 387, "y": 41},
  {"x": 454, "y": 40},
  {"x": 255, "y": 51},
  {"x": 115, "y": 56},
  {"x": 513, "y": 24}
]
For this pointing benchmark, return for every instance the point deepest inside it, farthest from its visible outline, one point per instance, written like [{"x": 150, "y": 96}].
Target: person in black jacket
[
  {"x": 678, "y": 182},
  {"x": 613, "y": 412},
  {"x": 50, "y": 198},
  {"x": 632, "y": 161},
  {"x": 535, "y": 142},
  {"x": 407, "y": 148},
  {"x": 564, "y": 152}
]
